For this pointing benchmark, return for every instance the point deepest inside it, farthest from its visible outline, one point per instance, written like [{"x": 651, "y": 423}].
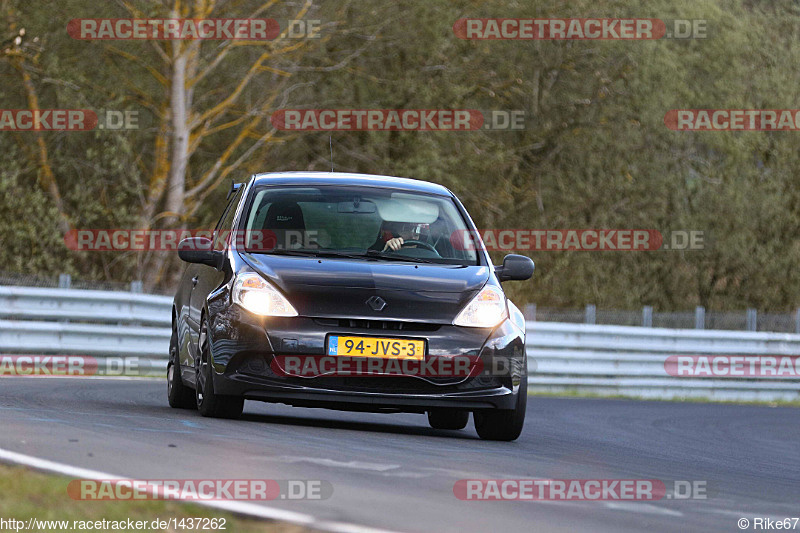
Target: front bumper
[
  {"x": 243, "y": 347},
  {"x": 352, "y": 400}
]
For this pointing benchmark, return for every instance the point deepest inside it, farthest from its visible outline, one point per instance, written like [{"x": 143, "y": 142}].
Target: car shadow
[{"x": 353, "y": 425}]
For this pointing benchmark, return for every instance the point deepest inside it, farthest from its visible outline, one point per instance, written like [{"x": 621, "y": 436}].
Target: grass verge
[{"x": 26, "y": 494}]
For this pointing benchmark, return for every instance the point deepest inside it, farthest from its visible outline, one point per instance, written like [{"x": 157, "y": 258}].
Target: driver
[{"x": 393, "y": 234}]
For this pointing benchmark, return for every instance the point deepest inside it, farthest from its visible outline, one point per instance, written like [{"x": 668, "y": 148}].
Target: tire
[
  {"x": 208, "y": 403},
  {"x": 503, "y": 424},
  {"x": 178, "y": 394},
  {"x": 448, "y": 418}
]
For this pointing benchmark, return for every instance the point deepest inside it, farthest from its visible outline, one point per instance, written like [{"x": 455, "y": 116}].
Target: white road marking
[
  {"x": 413, "y": 475},
  {"x": 244, "y": 508},
  {"x": 727, "y": 512},
  {"x": 747, "y": 514},
  {"x": 647, "y": 508},
  {"x": 353, "y": 465}
]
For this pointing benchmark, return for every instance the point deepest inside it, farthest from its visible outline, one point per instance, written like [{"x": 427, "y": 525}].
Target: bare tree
[{"x": 193, "y": 114}]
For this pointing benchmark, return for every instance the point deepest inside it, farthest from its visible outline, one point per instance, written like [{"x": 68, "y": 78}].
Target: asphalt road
[{"x": 394, "y": 472}]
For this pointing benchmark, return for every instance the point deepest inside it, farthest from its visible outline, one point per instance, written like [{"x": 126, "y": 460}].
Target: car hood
[{"x": 340, "y": 288}]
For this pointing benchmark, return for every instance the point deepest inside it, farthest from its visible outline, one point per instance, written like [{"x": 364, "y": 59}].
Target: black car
[{"x": 351, "y": 292}]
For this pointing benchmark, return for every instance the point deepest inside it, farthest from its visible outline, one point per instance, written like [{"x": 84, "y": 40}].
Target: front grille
[
  {"x": 381, "y": 384},
  {"x": 387, "y": 325}
]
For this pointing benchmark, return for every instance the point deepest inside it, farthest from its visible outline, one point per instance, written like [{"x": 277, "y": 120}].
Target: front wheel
[
  {"x": 503, "y": 424},
  {"x": 208, "y": 403},
  {"x": 179, "y": 395}
]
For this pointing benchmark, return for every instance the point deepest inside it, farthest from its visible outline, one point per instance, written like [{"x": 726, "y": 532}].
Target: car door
[{"x": 206, "y": 278}]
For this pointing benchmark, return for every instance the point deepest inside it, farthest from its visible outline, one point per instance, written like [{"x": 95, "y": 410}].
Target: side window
[{"x": 222, "y": 233}]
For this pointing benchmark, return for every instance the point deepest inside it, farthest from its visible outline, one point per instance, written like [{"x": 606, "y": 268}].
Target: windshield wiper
[
  {"x": 370, "y": 254},
  {"x": 331, "y": 253},
  {"x": 299, "y": 253},
  {"x": 391, "y": 257},
  {"x": 317, "y": 253}
]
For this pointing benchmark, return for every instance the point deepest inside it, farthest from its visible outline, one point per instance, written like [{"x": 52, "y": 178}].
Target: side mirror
[
  {"x": 200, "y": 250},
  {"x": 515, "y": 267}
]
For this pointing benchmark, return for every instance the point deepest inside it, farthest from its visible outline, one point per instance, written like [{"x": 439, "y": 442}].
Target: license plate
[{"x": 376, "y": 347}]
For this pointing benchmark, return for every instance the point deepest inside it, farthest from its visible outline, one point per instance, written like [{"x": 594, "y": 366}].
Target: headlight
[
  {"x": 486, "y": 310},
  {"x": 516, "y": 316},
  {"x": 255, "y": 294}
]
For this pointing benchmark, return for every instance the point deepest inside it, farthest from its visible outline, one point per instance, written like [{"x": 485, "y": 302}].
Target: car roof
[{"x": 347, "y": 178}]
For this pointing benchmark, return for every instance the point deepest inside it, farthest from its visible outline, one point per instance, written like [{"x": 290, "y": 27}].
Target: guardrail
[
  {"x": 31, "y": 303},
  {"x": 630, "y": 361},
  {"x": 563, "y": 357},
  {"x": 83, "y": 322}
]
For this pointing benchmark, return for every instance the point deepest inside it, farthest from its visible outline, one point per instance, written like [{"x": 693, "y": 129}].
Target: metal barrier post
[
  {"x": 699, "y": 317},
  {"x": 647, "y": 316},
  {"x": 591, "y": 314},
  {"x": 752, "y": 320}
]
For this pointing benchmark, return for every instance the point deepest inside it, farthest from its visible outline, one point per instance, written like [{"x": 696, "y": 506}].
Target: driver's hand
[{"x": 393, "y": 244}]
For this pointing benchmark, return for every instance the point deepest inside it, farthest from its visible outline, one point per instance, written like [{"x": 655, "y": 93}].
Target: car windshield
[{"x": 366, "y": 223}]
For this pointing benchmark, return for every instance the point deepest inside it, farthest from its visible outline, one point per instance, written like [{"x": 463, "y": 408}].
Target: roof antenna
[{"x": 330, "y": 140}]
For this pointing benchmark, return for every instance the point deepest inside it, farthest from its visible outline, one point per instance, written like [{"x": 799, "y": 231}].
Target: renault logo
[{"x": 376, "y": 303}]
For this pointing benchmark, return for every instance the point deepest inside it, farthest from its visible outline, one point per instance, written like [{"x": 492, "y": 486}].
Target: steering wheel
[{"x": 421, "y": 244}]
